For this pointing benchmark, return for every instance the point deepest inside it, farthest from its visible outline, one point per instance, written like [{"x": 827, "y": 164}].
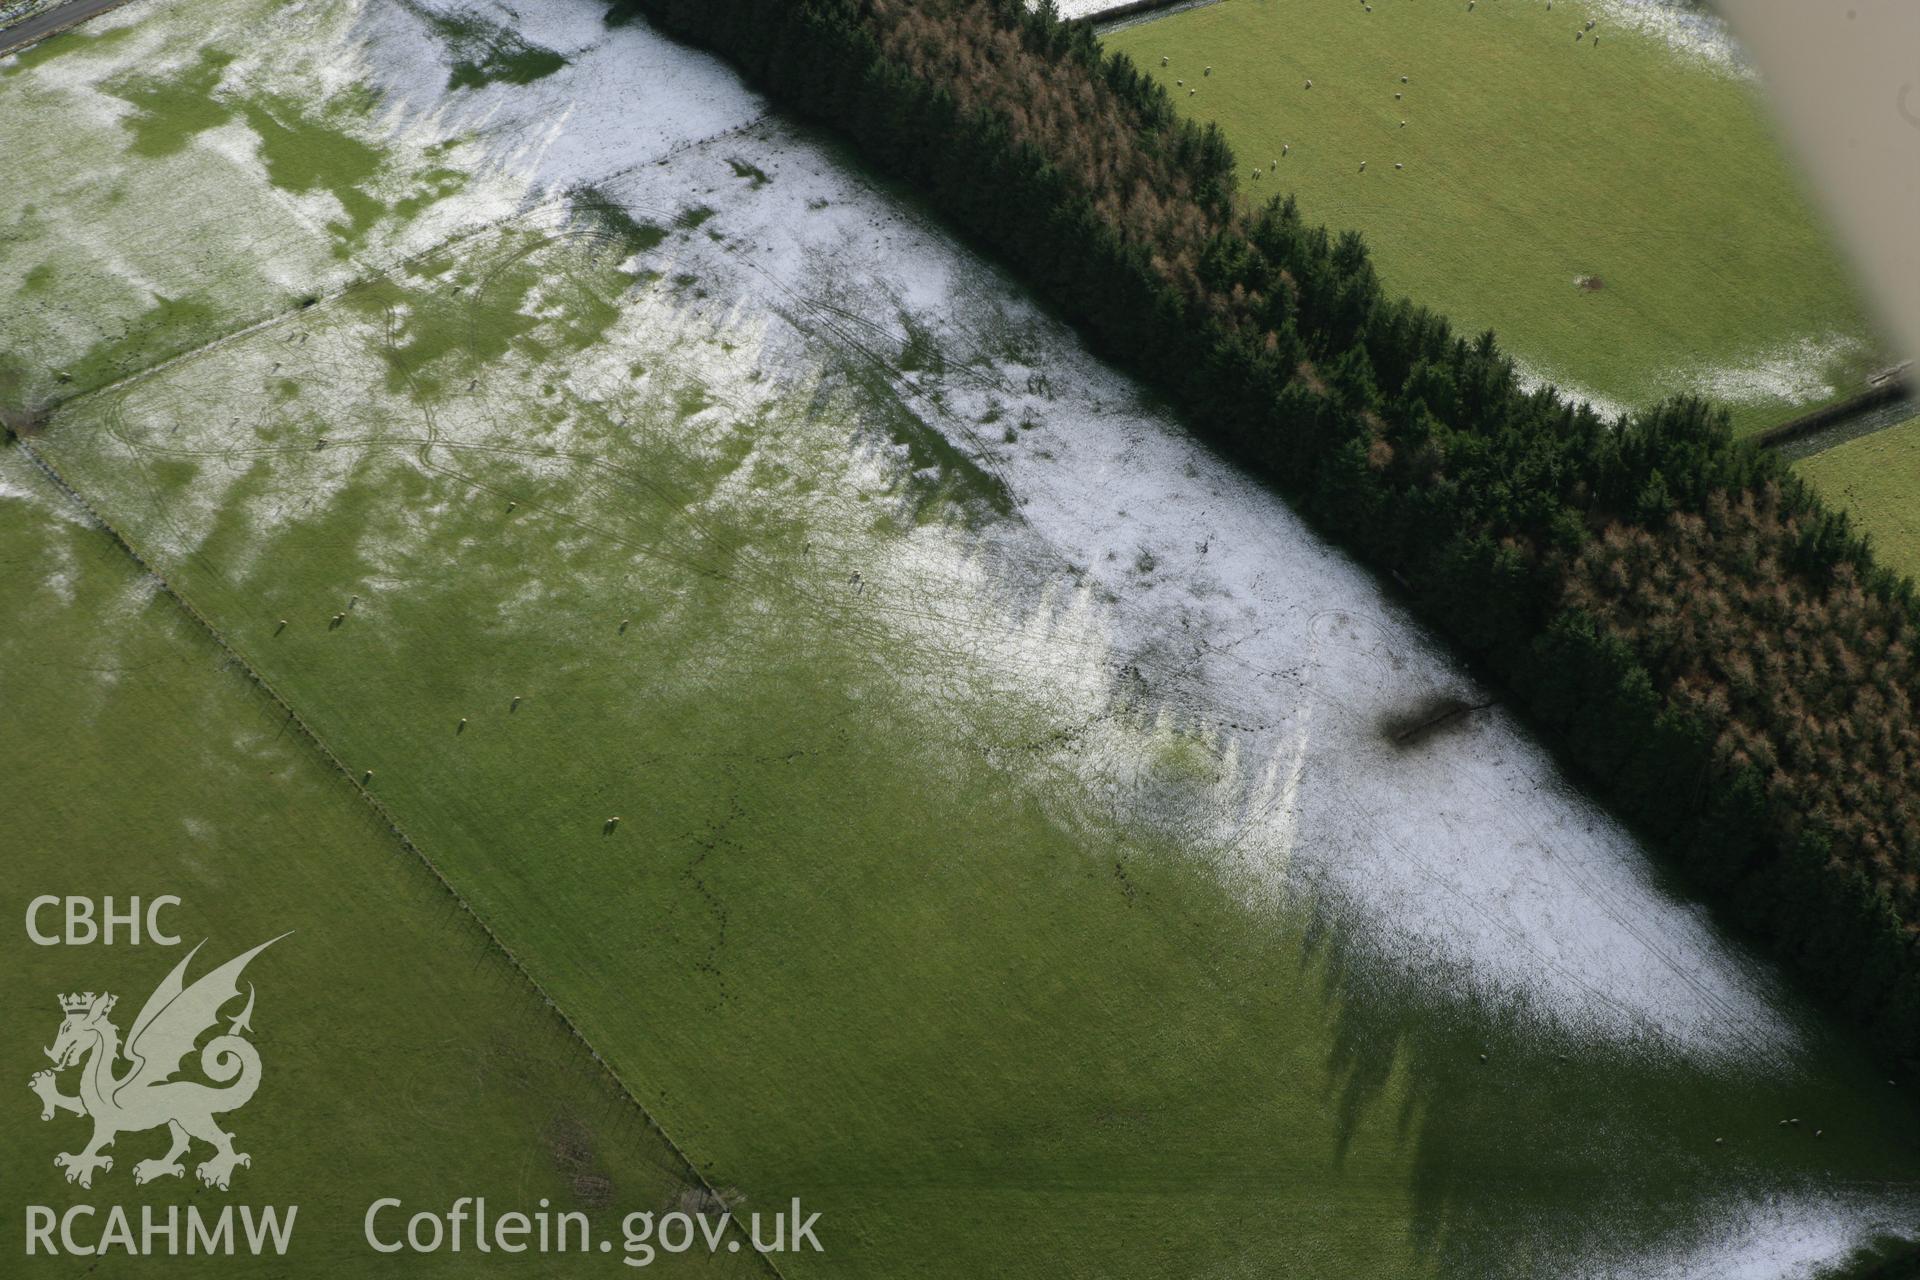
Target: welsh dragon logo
[{"x": 146, "y": 1095}]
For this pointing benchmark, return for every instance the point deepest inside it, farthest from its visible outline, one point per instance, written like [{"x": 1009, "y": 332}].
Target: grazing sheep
[
  {"x": 462, "y": 727},
  {"x": 1398, "y": 96},
  {"x": 1207, "y": 71},
  {"x": 1363, "y": 166},
  {"x": 366, "y": 777},
  {"x": 1596, "y": 42},
  {"x": 1163, "y": 61},
  {"x": 1590, "y": 23},
  {"x": 1403, "y": 79},
  {"x": 1181, "y": 83},
  {"x": 515, "y": 704},
  {"x": 1577, "y": 36},
  {"x": 1469, "y": 6},
  {"x": 1285, "y": 147},
  {"x": 1309, "y": 84},
  {"x": 1256, "y": 175},
  {"x": 512, "y": 505},
  {"x": 613, "y": 824},
  {"x": 1191, "y": 92},
  {"x": 282, "y": 627},
  {"x": 1398, "y": 165},
  {"x": 1403, "y": 124}
]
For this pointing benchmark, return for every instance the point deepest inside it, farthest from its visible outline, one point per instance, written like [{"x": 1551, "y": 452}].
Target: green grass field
[
  {"x": 402, "y": 1055},
  {"x": 1875, "y": 478},
  {"x": 1534, "y": 162}
]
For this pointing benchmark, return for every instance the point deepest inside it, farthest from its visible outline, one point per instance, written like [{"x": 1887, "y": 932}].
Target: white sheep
[
  {"x": 1163, "y": 61},
  {"x": 1363, "y": 166},
  {"x": 1403, "y": 124},
  {"x": 1285, "y": 147},
  {"x": 1398, "y": 165},
  {"x": 1207, "y": 72},
  {"x": 1403, "y": 79},
  {"x": 1590, "y": 23},
  {"x": 1309, "y": 84}
]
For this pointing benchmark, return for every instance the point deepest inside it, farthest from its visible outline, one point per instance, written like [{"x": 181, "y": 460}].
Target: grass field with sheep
[
  {"x": 1609, "y": 198},
  {"x": 397, "y": 1042}
]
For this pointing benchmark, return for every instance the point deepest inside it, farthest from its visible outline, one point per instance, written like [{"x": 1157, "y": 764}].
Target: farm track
[
  {"x": 51, "y": 23},
  {"x": 689, "y": 1168}
]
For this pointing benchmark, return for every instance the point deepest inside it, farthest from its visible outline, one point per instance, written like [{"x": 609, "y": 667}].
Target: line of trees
[{"x": 1687, "y": 622}]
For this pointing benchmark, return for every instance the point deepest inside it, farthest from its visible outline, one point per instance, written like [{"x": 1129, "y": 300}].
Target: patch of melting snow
[
  {"x": 624, "y": 98},
  {"x": 1085, "y": 8},
  {"x": 45, "y": 498},
  {"x": 1797, "y": 372},
  {"x": 1532, "y": 379},
  {"x": 1792, "y": 372},
  {"x": 1688, "y": 27},
  {"x": 1796, "y": 1235}
]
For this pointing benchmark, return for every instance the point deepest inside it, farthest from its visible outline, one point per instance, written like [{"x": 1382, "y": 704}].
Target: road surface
[{"x": 52, "y": 22}]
